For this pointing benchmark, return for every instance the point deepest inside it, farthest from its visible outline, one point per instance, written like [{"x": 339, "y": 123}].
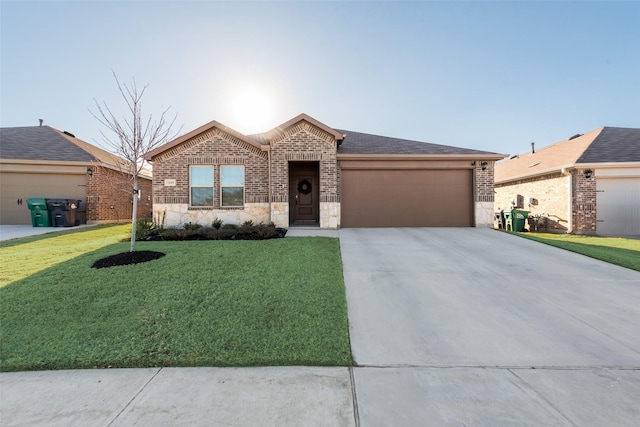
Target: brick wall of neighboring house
[
  {"x": 551, "y": 193},
  {"x": 215, "y": 148},
  {"x": 109, "y": 196},
  {"x": 305, "y": 143},
  {"x": 583, "y": 203}
]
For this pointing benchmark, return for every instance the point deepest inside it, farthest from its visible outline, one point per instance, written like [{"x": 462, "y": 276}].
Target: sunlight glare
[{"x": 252, "y": 112}]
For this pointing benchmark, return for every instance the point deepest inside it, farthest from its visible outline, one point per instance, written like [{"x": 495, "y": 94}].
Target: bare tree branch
[{"x": 134, "y": 136}]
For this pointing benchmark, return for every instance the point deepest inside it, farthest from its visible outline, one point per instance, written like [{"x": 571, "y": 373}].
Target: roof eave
[
  {"x": 608, "y": 165},
  {"x": 480, "y": 156},
  {"x": 535, "y": 174}
]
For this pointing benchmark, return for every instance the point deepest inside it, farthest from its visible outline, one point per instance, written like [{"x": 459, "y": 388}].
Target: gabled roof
[
  {"x": 266, "y": 137},
  {"x": 42, "y": 143},
  {"x": 364, "y": 143},
  {"x": 605, "y": 145},
  {"x": 204, "y": 128},
  {"x": 349, "y": 143}
]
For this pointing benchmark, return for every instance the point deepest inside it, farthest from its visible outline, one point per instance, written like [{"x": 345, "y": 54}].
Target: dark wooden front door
[{"x": 304, "y": 194}]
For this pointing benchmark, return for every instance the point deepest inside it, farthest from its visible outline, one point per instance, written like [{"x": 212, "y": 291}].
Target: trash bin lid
[{"x": 37, "y": 202}]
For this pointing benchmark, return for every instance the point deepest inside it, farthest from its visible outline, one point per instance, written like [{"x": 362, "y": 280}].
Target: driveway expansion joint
[
  {"x": 506, "y": 367},
  {"x": 354, "y": 397},
  {"x": 531, "y": 389}
]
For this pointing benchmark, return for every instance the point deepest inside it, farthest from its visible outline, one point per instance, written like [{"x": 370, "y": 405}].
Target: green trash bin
[
  {"x": 519, "y": 218},
  {"x": 39, "y": 213}
]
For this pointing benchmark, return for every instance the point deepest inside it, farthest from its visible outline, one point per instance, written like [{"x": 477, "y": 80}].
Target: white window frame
[
  {"x": 233, "y": 186},
  {"x": 212, "y": 186}
]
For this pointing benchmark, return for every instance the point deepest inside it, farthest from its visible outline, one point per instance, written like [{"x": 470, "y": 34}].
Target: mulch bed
[{"x": 127, "y": 258}]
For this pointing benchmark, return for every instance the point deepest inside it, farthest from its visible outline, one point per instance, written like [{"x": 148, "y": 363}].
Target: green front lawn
[
  {"x": 615, "y": 250},
  {"x": 206, "y": 303}
]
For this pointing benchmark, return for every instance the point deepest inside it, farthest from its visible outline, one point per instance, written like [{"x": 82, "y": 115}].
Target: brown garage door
[{"x": 407, "y": 198}]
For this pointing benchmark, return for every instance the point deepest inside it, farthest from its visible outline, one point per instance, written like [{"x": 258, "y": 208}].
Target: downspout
[{"x": 566, "y": 173}]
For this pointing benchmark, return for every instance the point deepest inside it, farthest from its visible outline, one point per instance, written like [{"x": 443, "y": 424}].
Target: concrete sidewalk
[
  {"x": 9, "y": 232},
  {"x": 278, "y": 396}
]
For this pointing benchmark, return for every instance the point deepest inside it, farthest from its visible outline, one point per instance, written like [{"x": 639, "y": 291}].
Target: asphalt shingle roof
[
  {"x": 363, "y": 143},
  {"x": 39, "y": 143},
  {"x": 613, "y": 145},
  {"x": 603, "y": 145}
]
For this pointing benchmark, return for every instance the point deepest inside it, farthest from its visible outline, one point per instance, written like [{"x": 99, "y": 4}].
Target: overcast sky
[{"x": 493, "y": 76}]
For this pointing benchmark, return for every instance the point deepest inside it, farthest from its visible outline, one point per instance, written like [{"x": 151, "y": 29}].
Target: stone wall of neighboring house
[
  {"x": 215, "y": 148},
  {"x": 109, "y": 196},
  {"x": 551, "y": 194},
  {"x": 304, "y": 142},
  {"x": 484, "y": 194},
  {"x": 583, "y": 203}
]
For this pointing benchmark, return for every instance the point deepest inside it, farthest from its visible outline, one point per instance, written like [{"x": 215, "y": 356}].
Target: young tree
[{"x": 133, "y": 137}]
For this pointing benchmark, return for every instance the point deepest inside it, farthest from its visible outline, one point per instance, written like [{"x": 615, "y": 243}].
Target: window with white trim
[
  {"x": 231, "y": 186},
  {"x": 201, "y": 186}
]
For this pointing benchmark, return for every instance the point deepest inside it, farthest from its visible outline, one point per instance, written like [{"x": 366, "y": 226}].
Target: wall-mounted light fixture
[
  {"x": 484, "y": 165},
  {"x": 588, "y": 173},
  {"x": 473, "y": 163},
  {"x": 89, "y": 171}
]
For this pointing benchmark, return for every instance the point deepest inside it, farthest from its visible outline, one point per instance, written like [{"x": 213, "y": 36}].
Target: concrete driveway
[{"x": 477, "y": 327}]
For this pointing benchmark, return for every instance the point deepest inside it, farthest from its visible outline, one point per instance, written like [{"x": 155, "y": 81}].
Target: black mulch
[{"x": 126, "y": 258}]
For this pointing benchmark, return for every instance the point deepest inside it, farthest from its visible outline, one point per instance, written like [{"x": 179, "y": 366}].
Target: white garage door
[
  {"x": 618, "y": 206},
  {"x": 22, "y": 186}
]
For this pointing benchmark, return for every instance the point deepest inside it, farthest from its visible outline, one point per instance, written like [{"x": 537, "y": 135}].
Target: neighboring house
[
  {"x": 587, "y": 184},
  {"x": 40, "y": 161},
  {"x": 305, "y": 172}
]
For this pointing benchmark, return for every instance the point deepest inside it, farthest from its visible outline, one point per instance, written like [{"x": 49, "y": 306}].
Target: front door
[{"x": 304, "y": 193}]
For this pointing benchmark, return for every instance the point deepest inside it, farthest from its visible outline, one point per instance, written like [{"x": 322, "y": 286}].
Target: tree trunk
[{"x": 134, "y": 214}]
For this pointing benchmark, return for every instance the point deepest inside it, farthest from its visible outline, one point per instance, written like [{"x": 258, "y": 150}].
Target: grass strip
[
  {"x": 206, "y": 303},
  {"x": 614, "y": 250},
  {"x": 21, "y": 258}
]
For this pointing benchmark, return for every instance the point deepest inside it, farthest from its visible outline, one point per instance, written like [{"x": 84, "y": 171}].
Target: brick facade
[
  {"x": 109, "y": 196},
  {"x": 583, "y": 203},
  {"x": 567, "y": 203},
  {"x": 215, "y": 148},
  {"x": 302, "y": 142},
  {"x": 484, "y": 191}
]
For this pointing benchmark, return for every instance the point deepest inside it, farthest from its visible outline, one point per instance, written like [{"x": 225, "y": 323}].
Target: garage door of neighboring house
[
  {"x": 407, "y": 198},
  {"x": 618, "y": 206},
  {"x": 22, "y": 186}
]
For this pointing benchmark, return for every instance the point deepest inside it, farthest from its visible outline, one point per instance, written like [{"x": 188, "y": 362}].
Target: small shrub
[
  {"x": 246, "y": 228},
  {"x": 191, "y": 226},
  {"x": 230, "y": 227},
  {"x": 217, "y": 223},
  {"x": 264, "y": 231},
  {"x": 225, "y": 234},
  {"x": 159, "y": 219},
  {"x": 145, "y": 228},
  {"x": 178, "y": 234}
]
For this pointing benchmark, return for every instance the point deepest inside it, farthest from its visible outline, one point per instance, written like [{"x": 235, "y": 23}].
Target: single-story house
[
  {"x": 586, "y": 184},
  {"x": 43, "y": 162},
  {"x": 305, "y": 172}
]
